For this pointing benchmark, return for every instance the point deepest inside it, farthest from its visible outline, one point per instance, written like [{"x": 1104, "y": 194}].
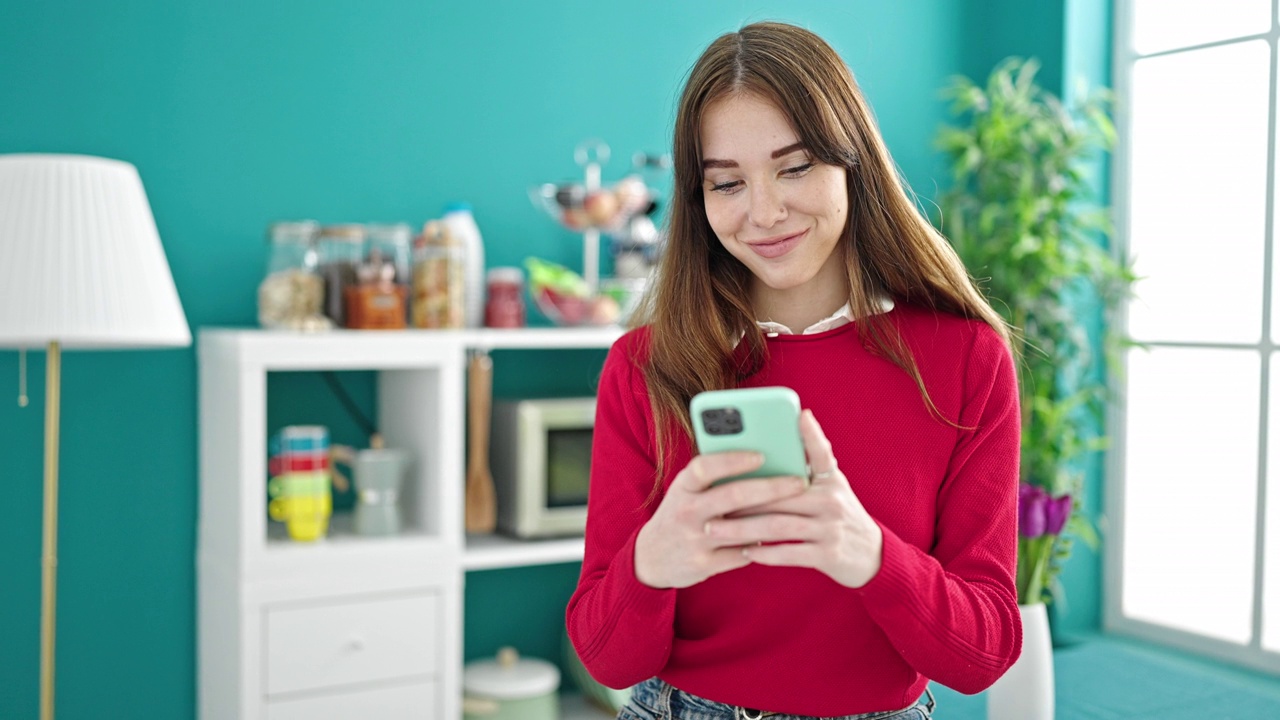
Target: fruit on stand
[
  {"x": 565, "y": 298},
  {"x": 605, "y": 311},
  {"x": 575, "y": 218},
  {"x": 601, "y": 206},
  {"x": 607, "y": 208}
]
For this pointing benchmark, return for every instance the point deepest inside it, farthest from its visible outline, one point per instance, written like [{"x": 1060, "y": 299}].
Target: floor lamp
[{"x": 81, "y": 267}]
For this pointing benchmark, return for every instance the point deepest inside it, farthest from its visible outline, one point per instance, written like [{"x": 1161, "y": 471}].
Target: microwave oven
[{"x": 541, "y": 463}]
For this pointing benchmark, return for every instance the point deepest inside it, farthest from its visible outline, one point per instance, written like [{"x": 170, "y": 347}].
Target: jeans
[{"x": 654, "y": 699}]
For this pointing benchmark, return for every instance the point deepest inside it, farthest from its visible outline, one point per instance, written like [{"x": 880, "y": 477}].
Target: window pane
[
  {"x": 1197, "y": 190},
  {"x": 1190, "y": 489},
  {"x": 1271, "y": 570},
  {"x": 1168, "y": 24}
]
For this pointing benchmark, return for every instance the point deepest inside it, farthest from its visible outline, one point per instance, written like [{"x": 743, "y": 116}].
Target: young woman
[{"x": 796, "y": 258}]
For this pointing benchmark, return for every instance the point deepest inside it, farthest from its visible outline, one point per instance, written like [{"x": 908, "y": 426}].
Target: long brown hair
[{"x": 700, "y": 309}]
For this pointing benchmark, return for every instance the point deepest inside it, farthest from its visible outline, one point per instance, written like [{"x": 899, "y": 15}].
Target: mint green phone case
[{"x": 768, "y": 422}]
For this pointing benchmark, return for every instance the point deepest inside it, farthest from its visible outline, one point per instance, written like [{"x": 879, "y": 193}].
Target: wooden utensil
[{"x": 481, "y": 500}]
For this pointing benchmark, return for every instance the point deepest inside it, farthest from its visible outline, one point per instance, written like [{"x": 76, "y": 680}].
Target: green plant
[{"x": 1021, "y": 216}]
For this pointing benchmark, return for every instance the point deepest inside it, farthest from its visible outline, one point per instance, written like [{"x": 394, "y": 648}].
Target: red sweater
[{"x": 943, "y": 605}]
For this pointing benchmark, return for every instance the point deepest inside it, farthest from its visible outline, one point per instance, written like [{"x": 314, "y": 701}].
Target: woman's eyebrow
[
  {"x": 714, "y": 163},
  {"x": 786, "y": 150}
]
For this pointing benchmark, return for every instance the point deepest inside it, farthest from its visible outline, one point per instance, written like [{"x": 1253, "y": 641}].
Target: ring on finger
[{"x": 822, "y": 475}]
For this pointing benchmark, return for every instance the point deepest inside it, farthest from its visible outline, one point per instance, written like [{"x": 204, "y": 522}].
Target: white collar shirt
[{"x": 840, "y": 317}]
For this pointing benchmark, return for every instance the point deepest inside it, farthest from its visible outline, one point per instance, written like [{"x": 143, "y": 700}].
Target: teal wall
[
  {"x": 1016, "y": 27},
  {"x": 238, "y": 114}
]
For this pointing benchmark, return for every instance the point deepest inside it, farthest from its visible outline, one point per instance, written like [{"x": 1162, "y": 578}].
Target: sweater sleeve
[
  {"x": 621, "y": 628},
  {"x": 952, "y": 613}
]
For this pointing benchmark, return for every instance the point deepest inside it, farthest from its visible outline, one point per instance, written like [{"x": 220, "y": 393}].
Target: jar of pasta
[{"x": 439, "y": 264}]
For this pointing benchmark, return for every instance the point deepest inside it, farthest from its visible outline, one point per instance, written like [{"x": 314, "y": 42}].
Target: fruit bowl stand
[{"x": 589, "y": 208}]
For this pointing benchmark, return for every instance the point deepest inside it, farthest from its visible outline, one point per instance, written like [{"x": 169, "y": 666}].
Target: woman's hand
[
  {"x": 828, "y": 528},
  {"x": 680, "y": 545}
]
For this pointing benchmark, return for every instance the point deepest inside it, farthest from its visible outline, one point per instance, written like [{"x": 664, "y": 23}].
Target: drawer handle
[{"x": 355, "y": 644}]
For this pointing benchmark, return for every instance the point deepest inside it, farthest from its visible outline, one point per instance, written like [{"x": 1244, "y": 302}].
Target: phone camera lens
[{"x": 722, "y": 421}]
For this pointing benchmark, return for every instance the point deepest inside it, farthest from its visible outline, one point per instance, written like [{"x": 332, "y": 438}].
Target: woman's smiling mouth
[{"x": 776, "y": 248}]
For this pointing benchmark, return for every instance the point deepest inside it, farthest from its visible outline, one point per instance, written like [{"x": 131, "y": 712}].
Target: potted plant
[{"x": 1022, "y": 217}]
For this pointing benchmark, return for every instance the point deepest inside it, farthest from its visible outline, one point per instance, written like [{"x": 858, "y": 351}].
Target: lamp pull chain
[{"x": 22, "y": 377}]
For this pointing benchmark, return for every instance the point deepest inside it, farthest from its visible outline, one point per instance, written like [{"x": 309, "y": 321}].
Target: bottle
[
  {"x": 505, "y": 306},
  {"x": 438, "y": 279},
  {"x": 462, "y": 225}
]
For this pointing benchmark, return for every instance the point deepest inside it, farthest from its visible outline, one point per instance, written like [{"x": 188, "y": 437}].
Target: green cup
[{"x": 299, "y": 483}]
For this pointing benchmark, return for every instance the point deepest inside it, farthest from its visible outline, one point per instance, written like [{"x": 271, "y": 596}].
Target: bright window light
[
  {"x": 1197, "y": 193},
  {"x": 1190, "y": 489},
  {"x": 1160, "y": 25}
]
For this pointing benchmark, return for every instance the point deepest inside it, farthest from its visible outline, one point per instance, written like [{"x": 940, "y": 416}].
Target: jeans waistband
[{"x": 667, "y": 701}]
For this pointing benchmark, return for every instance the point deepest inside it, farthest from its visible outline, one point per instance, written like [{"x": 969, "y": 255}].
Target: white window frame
[{"x": 1251, "y": 655}]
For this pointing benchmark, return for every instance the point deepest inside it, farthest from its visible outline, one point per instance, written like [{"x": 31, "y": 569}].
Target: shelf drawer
[
  {"x": 351, "y": 641},
  {"x": 405, "y": 702}
]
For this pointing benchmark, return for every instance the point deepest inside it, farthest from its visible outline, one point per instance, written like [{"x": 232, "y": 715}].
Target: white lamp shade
[{"x": 80, "y": 257}]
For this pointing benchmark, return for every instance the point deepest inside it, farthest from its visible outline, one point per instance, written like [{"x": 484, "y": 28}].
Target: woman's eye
[
  {"x": 798, "y": 170},
  {"x": 725, "y": 188}
]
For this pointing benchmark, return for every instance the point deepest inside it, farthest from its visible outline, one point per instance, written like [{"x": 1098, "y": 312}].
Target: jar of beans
[{"x": 292, "y": 292}]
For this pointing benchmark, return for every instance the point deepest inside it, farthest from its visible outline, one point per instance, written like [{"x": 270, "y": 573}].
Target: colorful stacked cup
[{"x": 299, "y": 484}]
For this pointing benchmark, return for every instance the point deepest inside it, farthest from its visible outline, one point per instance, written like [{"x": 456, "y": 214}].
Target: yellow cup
[{"x": 305, "y": 516}]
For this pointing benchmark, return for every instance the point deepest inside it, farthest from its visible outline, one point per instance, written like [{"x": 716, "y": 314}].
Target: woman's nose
[{"x": 767, "y": 206}]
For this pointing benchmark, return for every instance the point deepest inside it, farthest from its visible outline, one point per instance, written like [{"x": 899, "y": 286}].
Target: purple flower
[
  {"x": 1032, "y": 516},
  {"x": 1056, "y": 512}
]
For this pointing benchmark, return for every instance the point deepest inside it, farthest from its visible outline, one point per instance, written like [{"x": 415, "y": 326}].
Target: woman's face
[{"x": 772, "y": 206}]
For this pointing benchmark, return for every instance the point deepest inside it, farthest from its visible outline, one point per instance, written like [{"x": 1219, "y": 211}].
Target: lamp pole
[{"x": 49, "y": 585}]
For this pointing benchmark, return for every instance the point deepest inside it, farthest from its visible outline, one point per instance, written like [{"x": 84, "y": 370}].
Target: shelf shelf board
[
  {"x": 395, "y": 348},
  {"x": 542, "y": 338},
  {"x": 491, "y": 552},
  {"x": 341, "y": 533}
]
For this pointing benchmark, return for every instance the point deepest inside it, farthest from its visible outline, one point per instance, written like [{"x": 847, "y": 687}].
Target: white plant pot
[{"x": 1025, "y": 692}]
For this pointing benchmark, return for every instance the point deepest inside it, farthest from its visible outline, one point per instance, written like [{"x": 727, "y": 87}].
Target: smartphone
[{"x": 765, "y": 420}]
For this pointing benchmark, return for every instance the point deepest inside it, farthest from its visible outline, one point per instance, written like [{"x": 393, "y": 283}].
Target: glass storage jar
[
  {"x": 438, "y": 278},
  {"x": 505, "y": 305},
  {"x": 341, "y": 251},
  {"x": 291, "y": 294},
  {"x": 376, "y": 302},
  {"x": 393, "y": 244}
]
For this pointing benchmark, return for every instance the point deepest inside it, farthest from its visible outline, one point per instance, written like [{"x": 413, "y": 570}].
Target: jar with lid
[
  {"x": 292, "y": 293},
  {"x": 375, "y": 302},
  {"x": 438, "y": 278},
  {"x": 505, "y": 305},
  {"x": 394, "y": 244},
  {"x": 341, "y": 250}
]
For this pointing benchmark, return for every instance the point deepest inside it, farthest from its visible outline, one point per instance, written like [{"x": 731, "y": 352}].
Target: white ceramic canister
[{"x": 510, "y": 687}]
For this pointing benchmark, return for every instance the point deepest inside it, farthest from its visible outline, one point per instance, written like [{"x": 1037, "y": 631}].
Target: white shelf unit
[
  {"x": 348, "y": 626},
  {"x": 489, "y": 552}
]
